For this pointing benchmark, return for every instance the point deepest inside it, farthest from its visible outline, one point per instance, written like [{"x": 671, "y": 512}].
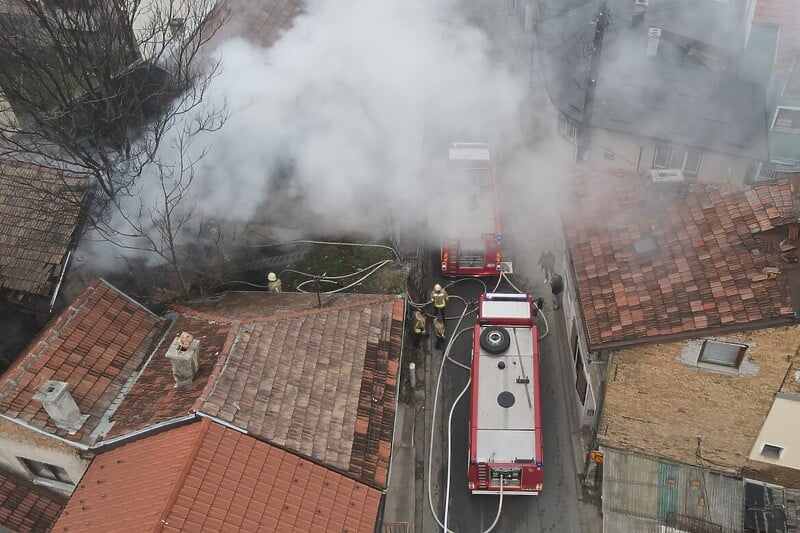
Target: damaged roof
[
  {"x": 95, "y": 346},
  {"x": 670, "y": 97},
  {"x": 651, "y": 265},
  {"x": 27, "y": 507},
  {"x": 40, "y": 213},
  {"x": 658, "y": 400},
  {"x": 321, "y": 382},
  {"x": 206, "y": 476}
]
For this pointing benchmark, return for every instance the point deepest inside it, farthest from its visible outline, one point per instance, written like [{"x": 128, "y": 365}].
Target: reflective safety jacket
[
  {"x": 439, "y": 298},
  {"x": 419, "y": 322},
  {"x": 274, "y": 286}
]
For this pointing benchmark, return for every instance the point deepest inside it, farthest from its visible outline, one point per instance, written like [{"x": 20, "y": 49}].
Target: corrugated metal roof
[{"x": 642, "y": 494}]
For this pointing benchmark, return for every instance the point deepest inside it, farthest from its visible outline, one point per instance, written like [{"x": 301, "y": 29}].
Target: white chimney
[
  {"x": 653, "y": 38},
  {"x": 60, "y": 405},
  {"x": 183, "y": 353}
]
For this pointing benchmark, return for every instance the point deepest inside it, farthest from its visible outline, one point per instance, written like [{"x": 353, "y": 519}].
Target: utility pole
[{"x": 584, "y": 135}]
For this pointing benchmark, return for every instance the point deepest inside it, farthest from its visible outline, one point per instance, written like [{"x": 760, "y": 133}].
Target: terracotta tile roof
[
  {"x": 26, "y": 507},
  {"x": 154, "y": 397},
  {"x": 657, "y": 401},
  {"x": 95, "y": 345},
  {"x": 320, "y": 382},
  {"x": 786, "y": 14},
  {"x": 207, "y": 476},
  {"x": 259, "y": 21},
  {"x": 704, "y": 269},
  {"x": 39, "y": 215}
]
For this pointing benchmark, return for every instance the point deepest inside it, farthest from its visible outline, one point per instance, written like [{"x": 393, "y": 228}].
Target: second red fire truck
[{"x": 473, "y": 243}]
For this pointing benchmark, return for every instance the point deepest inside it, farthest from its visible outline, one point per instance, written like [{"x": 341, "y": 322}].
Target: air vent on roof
[
  {"x": 645, "y": 246},
  {"x": 666, "y": 175},
  {"x": 59, "y": 404},
  {"x": 183, "y": 353}
]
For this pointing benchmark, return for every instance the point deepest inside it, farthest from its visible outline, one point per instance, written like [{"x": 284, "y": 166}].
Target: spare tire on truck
[{"x": 495, "y": 340}]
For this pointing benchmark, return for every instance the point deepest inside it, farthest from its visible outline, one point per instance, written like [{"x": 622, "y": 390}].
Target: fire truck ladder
[{"x": 523, "y": 379}]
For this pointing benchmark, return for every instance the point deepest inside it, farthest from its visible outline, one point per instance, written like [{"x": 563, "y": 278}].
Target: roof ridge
[
  {"x": 187, "y": 466},
  {"x": 40, "y": 342},
  {"x": 119, "y": 292},
  {"x": 219, "y": 368},
  {"x": 295, "y": 314}
]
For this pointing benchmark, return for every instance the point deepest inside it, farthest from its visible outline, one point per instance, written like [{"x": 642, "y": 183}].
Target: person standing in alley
[
  {"x": 419, "y": 326},
  {"x": 438, "y": 327},
  {"x": 557, "y": 287},
  {"x": 439, "y": 299},
  {"x": 273, "y": 283},
  {"x": 548, "y": 263}
]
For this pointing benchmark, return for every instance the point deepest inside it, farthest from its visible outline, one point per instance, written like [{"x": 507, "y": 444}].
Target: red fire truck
[
  {"x": 472, "y": 242},
  {"x": 505, "y": 440}
]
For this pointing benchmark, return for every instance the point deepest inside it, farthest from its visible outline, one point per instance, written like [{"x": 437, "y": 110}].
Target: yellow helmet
[
  {"x": 272, "y": 277},
  {"x": 437, "y": 287}
]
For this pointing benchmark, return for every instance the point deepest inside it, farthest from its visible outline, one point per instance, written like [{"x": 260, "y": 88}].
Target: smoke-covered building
[
  {"x": 654, "y": 84},
  {"x": 772, "y": 59}
]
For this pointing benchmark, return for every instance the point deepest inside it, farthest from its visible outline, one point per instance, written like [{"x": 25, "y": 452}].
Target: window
[
  {"x": 46, "y": 471},
  {"x": 688, "y": 161},
  {"x": 691, "y": 163},
  {"x": 567, "y": 129},
  {"x": 663, "y": 156},
  {"x": 722, "y": 353},
  {"x": 787, "y": 120},
  {"x": 793, "y": 81},
  {"x": 770, "y": 451}
]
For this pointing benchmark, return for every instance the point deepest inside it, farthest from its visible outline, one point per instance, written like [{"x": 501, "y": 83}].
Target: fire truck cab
[{"x": 505, "y": 446}]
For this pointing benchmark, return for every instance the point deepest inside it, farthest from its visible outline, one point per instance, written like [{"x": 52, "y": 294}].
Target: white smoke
[{"x": 358, "y": 100}]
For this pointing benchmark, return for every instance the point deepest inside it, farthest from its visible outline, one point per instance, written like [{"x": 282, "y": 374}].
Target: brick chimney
[
  {"x": 653, "y": 38},
  {"x": 183, "y": 353},
  {"x": 59, "y": 404}
]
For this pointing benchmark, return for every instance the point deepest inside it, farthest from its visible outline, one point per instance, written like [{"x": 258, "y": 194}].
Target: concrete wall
[
  {"x": 617, "y": 150},
  {"x": 151, "y": 24},
  {"x": 17, "y": 441},
  {"x": 572, "y": 316},
  {"x": 780, "y": 429}
]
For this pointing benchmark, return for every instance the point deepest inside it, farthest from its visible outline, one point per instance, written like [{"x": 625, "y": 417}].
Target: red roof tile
[
  {"x": 205, "y": 475},
  {"x": 704, "y": 272},
  {"x": 26, "y": 507},
  {"x": 319, "y": 381},
  {"x": 39, "y": 216},
  {"x": 259, "y": 21},
  {"x": 154, "y": 398},
  {"x": 95, "y": 345}
]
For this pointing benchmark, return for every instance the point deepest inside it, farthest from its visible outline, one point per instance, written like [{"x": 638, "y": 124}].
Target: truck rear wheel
[{"x": 495, "y": 340}]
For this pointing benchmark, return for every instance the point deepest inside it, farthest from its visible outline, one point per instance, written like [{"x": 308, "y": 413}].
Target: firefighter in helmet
[
  {"x": 273, "y": 283},
  {"x": 420, "y": 327},
  {"x": 439, "y": 299}
]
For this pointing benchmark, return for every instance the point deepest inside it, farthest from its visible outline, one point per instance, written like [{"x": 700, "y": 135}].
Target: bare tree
[
  {"x": 158, "y": 217},
  {"x": 94, "y": 87},
  {"x": 95, "y": 84}
]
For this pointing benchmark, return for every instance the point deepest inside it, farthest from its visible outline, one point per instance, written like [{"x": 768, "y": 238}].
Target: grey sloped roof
[{"x": 668, "y": 97}]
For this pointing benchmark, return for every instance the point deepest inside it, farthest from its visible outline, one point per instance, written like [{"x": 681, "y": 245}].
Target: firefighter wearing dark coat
[{"x": 556, "y": 287}]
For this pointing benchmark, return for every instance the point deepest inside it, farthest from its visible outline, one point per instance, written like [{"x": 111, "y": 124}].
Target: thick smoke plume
[{"x": 348, "y": 116}]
